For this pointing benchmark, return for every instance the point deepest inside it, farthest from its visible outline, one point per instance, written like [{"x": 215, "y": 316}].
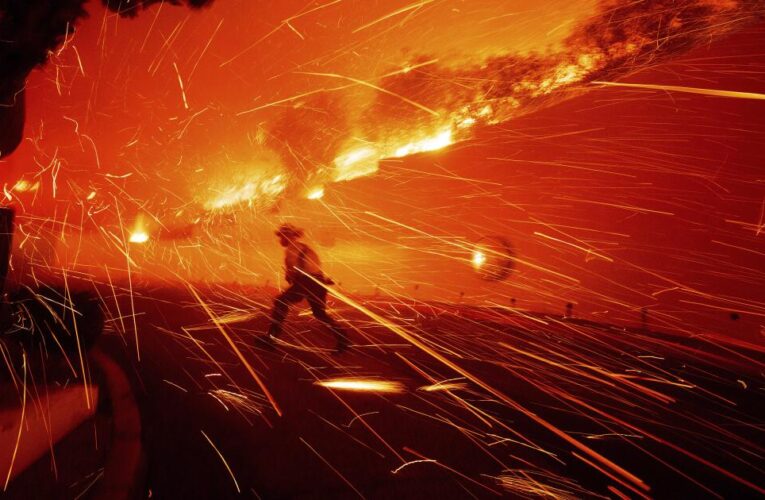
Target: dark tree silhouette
[{"x": 29, "y": 31}]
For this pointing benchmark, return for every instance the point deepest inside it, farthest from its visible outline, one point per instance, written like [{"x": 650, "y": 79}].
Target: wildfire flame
[
  {"x": 356, "y": 163},
  {"x": 363, "y": 161},
  {"x": 265, "y": 190}
]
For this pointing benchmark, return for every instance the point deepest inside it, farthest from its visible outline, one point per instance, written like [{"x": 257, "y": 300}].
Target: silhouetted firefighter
[{"x": 307, "y": 281}]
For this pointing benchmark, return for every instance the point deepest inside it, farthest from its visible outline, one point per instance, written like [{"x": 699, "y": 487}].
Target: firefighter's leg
[
  {"x": 281, "y": 308},
  {"x": 317, "y": 299}
]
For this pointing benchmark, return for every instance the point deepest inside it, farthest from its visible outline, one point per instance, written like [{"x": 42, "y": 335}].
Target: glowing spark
[
  {"x": 139, "y": 236},
  {"x": 424, "y": 460},
  {"x": 23, "y": 186},
  {"x": 236, "y": 350},
  {"x": 222, "y": 459},
  {"x": 235, "y": 399},
  {"x": 331, "y": 467},
  {"x": 443, "y": 386},
  {"x": 180, "y": 83},
  {"x": 412, "y": 339},
  {"x": 379, "y": 89},
  {"x": 688, "y": 90},
  {"x": 400, "y": 11},
  {"x": 316, "y": 193},
  {"x": 21, "y": 423},
  {"x": 361, "y": 385},
  {"x": 479, "y": 259}
]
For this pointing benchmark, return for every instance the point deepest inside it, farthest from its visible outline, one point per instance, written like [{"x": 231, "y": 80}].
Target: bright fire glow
[
  {"x": 23, "y": 186},
  {"x": 444, "y": 386},
  {"x": 479, "y": 258},
  {"x": 265, "y": 190},
  {"x": 139, "y": 236},
  {"x": 356, "y": 163},
  {"x": 316, "y": 193},
  {"x": 362, "y": 385},
  {"x": 432, "y": 143},
  {"x": 363, "y": 161}
]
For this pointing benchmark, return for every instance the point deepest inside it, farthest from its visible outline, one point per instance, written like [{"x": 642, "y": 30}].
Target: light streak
[
  {"x": 412, "y": 462},
  {"x": 479, "y": 382},
  {"x": 21, "y": 422},
  {"x": 84, "y": 372},
  {"x": 443, "y": 386},
  {"x": 236, "y": 350},
  {"x": 180, "y": 84},
  {"x": 350, "y": 485},
  {"x": 362, "y": 385},
  {"x": 230, "y": 472},
  {"x": 379, "y": 89},
  {"x": 395, "y": 13},
  {"x": 734, "y": 94}
]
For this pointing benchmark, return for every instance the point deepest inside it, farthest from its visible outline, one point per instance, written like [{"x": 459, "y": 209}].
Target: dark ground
[{"x": 656, "y": 405}]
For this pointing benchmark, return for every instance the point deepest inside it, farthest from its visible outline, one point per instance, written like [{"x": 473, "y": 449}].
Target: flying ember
[
  {"x": 382, "y": 249},
  {"x": 362, "y": 385}
]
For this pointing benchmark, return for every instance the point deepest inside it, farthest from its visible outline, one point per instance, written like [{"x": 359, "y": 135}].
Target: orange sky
[{"x": 143, "y": 120}]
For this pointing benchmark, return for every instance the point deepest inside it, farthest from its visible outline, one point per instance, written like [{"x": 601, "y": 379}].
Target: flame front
[{"x": 250, "y": 192}]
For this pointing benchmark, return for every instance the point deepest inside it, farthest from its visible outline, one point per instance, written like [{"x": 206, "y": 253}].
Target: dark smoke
[{"x": 308, "y": 136}]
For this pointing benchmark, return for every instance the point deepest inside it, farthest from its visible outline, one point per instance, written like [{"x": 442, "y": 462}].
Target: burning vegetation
[{"x": 546, "y": 219}]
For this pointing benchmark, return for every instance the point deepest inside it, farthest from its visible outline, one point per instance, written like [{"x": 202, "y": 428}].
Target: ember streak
[{"x": 543, "y": 220}]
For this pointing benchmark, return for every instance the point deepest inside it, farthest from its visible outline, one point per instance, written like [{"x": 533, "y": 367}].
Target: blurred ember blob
[
  {"x": 493, "y": 258},
  {"x": 362, "y": 385},
  {"x": 24, "y": 185},
  {"x": 315, "y": 193},
  {"x": 139, "y": 234},
  {"x": 479, "y": 259}
]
